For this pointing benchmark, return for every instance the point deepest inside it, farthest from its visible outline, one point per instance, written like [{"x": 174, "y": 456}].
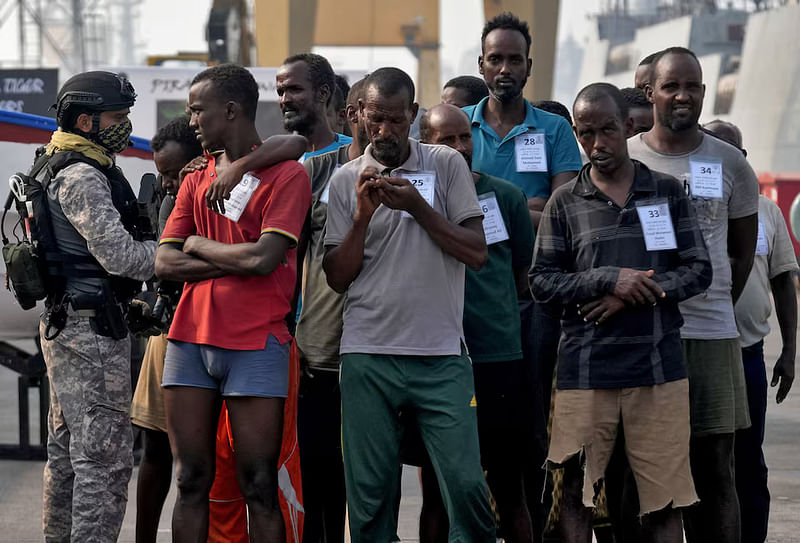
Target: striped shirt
[{"x": 584, "y": 239}]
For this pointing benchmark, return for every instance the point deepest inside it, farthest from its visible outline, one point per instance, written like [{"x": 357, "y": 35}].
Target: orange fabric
[
  {"x": 289, "y": 481},
  {"x": 227, "y": 510}
]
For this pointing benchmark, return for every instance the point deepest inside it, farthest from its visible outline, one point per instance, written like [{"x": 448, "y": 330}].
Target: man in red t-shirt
[{"x": 229, "y": 336}]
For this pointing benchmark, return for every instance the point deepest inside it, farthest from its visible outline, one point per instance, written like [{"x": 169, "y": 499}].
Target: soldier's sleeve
[{"x": 85, "y": 197}]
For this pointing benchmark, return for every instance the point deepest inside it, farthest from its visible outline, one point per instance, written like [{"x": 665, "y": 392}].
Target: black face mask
[{"x": 116, "y": 137}]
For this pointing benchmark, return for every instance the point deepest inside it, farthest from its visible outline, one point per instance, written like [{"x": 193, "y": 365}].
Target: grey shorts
[
  {"x": 717, "y": 391},
  {"x": 263, "y": 373}
]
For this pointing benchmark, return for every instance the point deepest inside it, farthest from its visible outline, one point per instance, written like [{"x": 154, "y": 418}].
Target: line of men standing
[{"x": 417, "y": 317}]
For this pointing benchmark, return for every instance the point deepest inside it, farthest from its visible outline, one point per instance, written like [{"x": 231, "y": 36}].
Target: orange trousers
[{"x": 227, "y": 510}]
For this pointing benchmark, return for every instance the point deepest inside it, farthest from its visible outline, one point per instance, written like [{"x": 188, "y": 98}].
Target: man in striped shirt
[{"x": 618, "y": 247}]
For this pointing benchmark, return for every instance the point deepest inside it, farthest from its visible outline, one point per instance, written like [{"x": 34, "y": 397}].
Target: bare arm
[
  {"x": 275, "y": 149},
  {"x": 785, "y": 296},
  {"x": 342, "y": 263},
  {"x": 536, "y": 204},
  {"x": 535, "y": 207},
  {"x": 173, "y": 264},
  {"x": 248, "y": 258},
  {"x": 742, "y": 235}
]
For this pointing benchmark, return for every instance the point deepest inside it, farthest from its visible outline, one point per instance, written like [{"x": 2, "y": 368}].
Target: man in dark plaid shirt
[{"x": 618, "y": 247}]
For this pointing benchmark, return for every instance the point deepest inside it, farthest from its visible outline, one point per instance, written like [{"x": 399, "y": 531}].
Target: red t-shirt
[{"x": 238, "y": 311}]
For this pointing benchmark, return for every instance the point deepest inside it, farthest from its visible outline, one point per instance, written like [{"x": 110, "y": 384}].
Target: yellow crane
[{"x": 286, "y": 27}]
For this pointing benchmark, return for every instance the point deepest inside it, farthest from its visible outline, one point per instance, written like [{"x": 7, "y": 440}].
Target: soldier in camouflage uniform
[{"x": 89, "y": 432}]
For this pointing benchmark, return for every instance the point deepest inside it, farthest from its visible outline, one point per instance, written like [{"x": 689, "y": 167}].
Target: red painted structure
[{"x": 782, "y": 188}]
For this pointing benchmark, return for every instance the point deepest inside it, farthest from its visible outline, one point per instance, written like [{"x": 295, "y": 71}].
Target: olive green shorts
[{"x": 717, "y": 392}]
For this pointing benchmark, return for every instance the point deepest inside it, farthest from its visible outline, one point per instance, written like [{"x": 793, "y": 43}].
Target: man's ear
[
  {"x": 628, "y": 127},
  {"x": 414, "y": 111},
  {"x": 351, "y": 113},
  {"x": 232, "y": 109},
  {"x": 648, "y": 91},
  {"x": 530, "y": 65},
  {"x": 83, "y": 123},
  {"x": 324, "y": 94},
  {"x": 480, "y": 64}
]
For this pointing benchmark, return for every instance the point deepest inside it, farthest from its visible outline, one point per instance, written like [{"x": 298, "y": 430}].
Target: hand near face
[
  {"x": 399, "y": 193},
  {"x": 367, "y": 196}
]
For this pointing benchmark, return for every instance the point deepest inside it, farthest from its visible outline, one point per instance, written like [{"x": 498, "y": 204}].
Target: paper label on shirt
[
  {"x": 425, "y": 183},
  {"x": 659, "y": 235},
  {"x": 706, "y": 179},
  {"x": 531, "y": 152},
  {"x": 327, "y": 191},
  {"x": 240, "y": 195},
  {"x": 762, "y": 247},
  {"x": 494, "y": 227}
]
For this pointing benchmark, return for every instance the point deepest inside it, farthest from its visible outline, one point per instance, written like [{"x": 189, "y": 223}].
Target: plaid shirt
[{"x": 584, "y": 239}]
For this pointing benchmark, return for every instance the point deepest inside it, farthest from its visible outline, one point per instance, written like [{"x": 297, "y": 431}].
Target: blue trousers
[{"x": 751, "y": 469}]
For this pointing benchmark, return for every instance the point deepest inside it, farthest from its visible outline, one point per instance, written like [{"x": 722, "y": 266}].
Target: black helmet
[{"x": 93, "y": 92}]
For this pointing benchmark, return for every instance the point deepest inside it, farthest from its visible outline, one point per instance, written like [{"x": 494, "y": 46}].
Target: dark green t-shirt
[{"x": 491, "y": 314}]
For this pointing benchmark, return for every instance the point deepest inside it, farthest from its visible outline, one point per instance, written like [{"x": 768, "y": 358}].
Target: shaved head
[{"x": 445, "y": 124}]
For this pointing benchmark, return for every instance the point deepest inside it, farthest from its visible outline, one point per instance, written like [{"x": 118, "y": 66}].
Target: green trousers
[{"x": 439, "y": 392}]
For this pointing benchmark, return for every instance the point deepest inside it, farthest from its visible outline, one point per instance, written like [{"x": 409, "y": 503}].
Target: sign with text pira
[{"x": 28, "y": 91}]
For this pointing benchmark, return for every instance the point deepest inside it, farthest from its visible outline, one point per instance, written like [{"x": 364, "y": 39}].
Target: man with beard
[
  {"x": 618, "y": 248},
  {"x": 724, "y": 192},
  {"x": 229, "y": 336},
  {"x": 306, "y": 85},
  {"x": 536, "y": 151},
  {"x": 319, "y": 332},
  {"x": 403, "y": 220},
  {"x": 492, "y": 333},
  {"x": 533, "y": 149}
]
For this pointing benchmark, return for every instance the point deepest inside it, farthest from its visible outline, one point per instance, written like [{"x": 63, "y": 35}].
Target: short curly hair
[
  {"x": 235, "y": 83},
  {"x": 179, "y": 131},
  {"x": 635, "y": 97},
  {"x": 320, "y": 73},
  {"x": 556, "y": 108},
  {"x": 474, "y": 87},
  {"x": 596, "y": 91},
  {"x": 507, "y": 21}
]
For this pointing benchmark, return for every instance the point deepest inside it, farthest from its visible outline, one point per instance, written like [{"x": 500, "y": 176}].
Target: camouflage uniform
[{"x": 89, "y": 444}]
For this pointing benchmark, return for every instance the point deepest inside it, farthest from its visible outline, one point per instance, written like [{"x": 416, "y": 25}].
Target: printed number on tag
[
  {"x": 706, "y": 179},
  {"x": 494, "y": 228},
  {"x": 240, "y": 196},
  {"x": 659, "y": 235},
  {"x": 531, "y": 152}
]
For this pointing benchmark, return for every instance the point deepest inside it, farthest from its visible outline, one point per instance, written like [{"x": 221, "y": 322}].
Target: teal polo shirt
[{"x": 495, "y": 156}]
